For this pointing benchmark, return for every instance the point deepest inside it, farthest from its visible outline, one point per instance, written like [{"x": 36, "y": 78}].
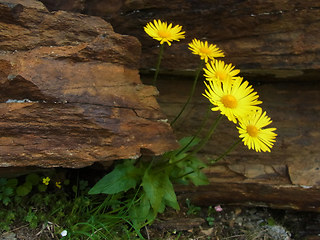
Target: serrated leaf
[
  {"x": 141, "y": 213},
  {"x": 159, "y": 190},
  {"x": 198, "y": 178},
  {"x": 154, "y": 188},
  {"x": 190, "y": 170},
  {"x": 171, "y": 198},
  {"x": 121, "y": 179}
]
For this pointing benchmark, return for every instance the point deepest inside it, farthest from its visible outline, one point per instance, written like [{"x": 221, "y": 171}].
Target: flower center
[
  {"x": 164, "y": 34},
  {"x": 229, "y": 101},
  {"x": 252, "y": 130},
  {"x": 221, "y": 75},
  {"x": 204, "y": 50}
]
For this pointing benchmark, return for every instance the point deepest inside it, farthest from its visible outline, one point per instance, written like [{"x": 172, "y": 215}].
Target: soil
[
  {"x": 237, "y": 222},
  {"x": 232, "y": 223}
]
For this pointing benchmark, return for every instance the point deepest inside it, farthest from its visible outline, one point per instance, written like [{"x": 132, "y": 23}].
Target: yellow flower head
[
  {"x": 163, "y": 33},
  {"x": 58, "y": 185},
  {"x": 219, "y": 71},
  {"x": 255, "y": 136},
  {"x": 204, "y": 50},
  {"x": 233, "y": 99},
  {"x": 46, "y": 181}
]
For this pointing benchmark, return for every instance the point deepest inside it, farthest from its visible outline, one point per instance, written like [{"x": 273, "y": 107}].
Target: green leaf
[
  {"x": 8, "y": 191},
  {"x": 3, "y": 181},
  {"x": 33, "y": 179},
  {"x": 141, "y": 213},
  {"x": 42, "y": 187},
  {"x": 31, "y": 218},
  {"x": 198, "y": 178},
  {"x": 75, "y": 189},
  {"x": 6, "y": 201},
  {"x": 190, "y": 170},
  {"x": 23, "y": 190},
  {"x": 66, "y": 182},
  {"x": 185, "y": 143},
  {"x": 159, "y": 190},
  {"x": 121, "y": 179},
  {"x": 171, "y": 198},
  {"x": 13, "y": 182}
]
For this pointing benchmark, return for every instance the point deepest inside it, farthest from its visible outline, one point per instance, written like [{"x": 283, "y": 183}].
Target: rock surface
[
  {"x": 70, "y": 91},
  {"x": 274, "y": 34}
]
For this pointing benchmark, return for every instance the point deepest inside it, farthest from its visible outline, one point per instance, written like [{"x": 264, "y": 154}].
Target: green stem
[
  {"x": 211, "y": 131},
  {"x": 186, "y": 174},
  {"x": 226, "y": 152},
  {"x": 215, "y": 160},
  {"x": 158, "y": 65},
  {"x": 203, "y": 142},
  {"x": 204, "y": 121},
  {"x": 191, "y": 93}
]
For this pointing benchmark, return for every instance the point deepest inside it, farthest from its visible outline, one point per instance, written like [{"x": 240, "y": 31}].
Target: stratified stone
[
  {"x": 275, "y": 34},
  {"x": 70, "y": 91}
]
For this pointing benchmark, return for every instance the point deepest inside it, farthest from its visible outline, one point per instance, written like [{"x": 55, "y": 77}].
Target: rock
[
  {"x": 70, "y": 91},
  {"x": 254, "y": 35},
  {"x": 172, "y": 224}
]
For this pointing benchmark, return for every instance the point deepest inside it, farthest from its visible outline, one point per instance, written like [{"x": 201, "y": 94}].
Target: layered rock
[
  {"x": 70, "y": 91},
  {"x": 254, "y": 34}
]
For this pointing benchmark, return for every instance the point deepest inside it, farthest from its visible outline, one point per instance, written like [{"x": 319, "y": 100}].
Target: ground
[{"x": 233, "y": 222}]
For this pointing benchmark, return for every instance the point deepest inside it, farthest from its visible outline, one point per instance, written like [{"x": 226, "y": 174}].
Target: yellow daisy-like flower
[
  {"x": 204, "y": 50},
  {"x": 46, "y": 181},
  {"x": 58, "y": 185},
  {"x": 254, "y": 135},
  {"x": 163, "y": 33},
  {"x": 233, "y": 99},
  {"x": 219, "y": 71}
]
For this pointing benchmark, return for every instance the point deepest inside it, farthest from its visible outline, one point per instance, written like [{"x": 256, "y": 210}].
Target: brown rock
[
  {"x": 254, "y": 34},
  {"x": 71, "y": 93},
  {"x": 253, "y": 194}
]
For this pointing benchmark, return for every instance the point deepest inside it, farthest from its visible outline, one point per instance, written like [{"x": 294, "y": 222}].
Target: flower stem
[
  {"x": 226, "y": 152},
  {"x": 188, "y": 173},
  {"x": 203, "y": 142},
  {"x": 204, "y": 121},
  {"x": 191, "y": 93},
  {"x": 158, "y": 65},
  {"x": 206, "y": 139}
]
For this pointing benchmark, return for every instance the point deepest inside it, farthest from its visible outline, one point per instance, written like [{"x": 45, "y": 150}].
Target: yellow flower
[
  {"x": 163, "y": 33},
  {"x": 46, "y": 181},
  {"x": 254, "y": 135},
  {"x": 233, "y": 99},
  {"x": 58, "y": 184},
  {"x": 204, "y": 50},
  {"x": 219, "y": 71}
]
